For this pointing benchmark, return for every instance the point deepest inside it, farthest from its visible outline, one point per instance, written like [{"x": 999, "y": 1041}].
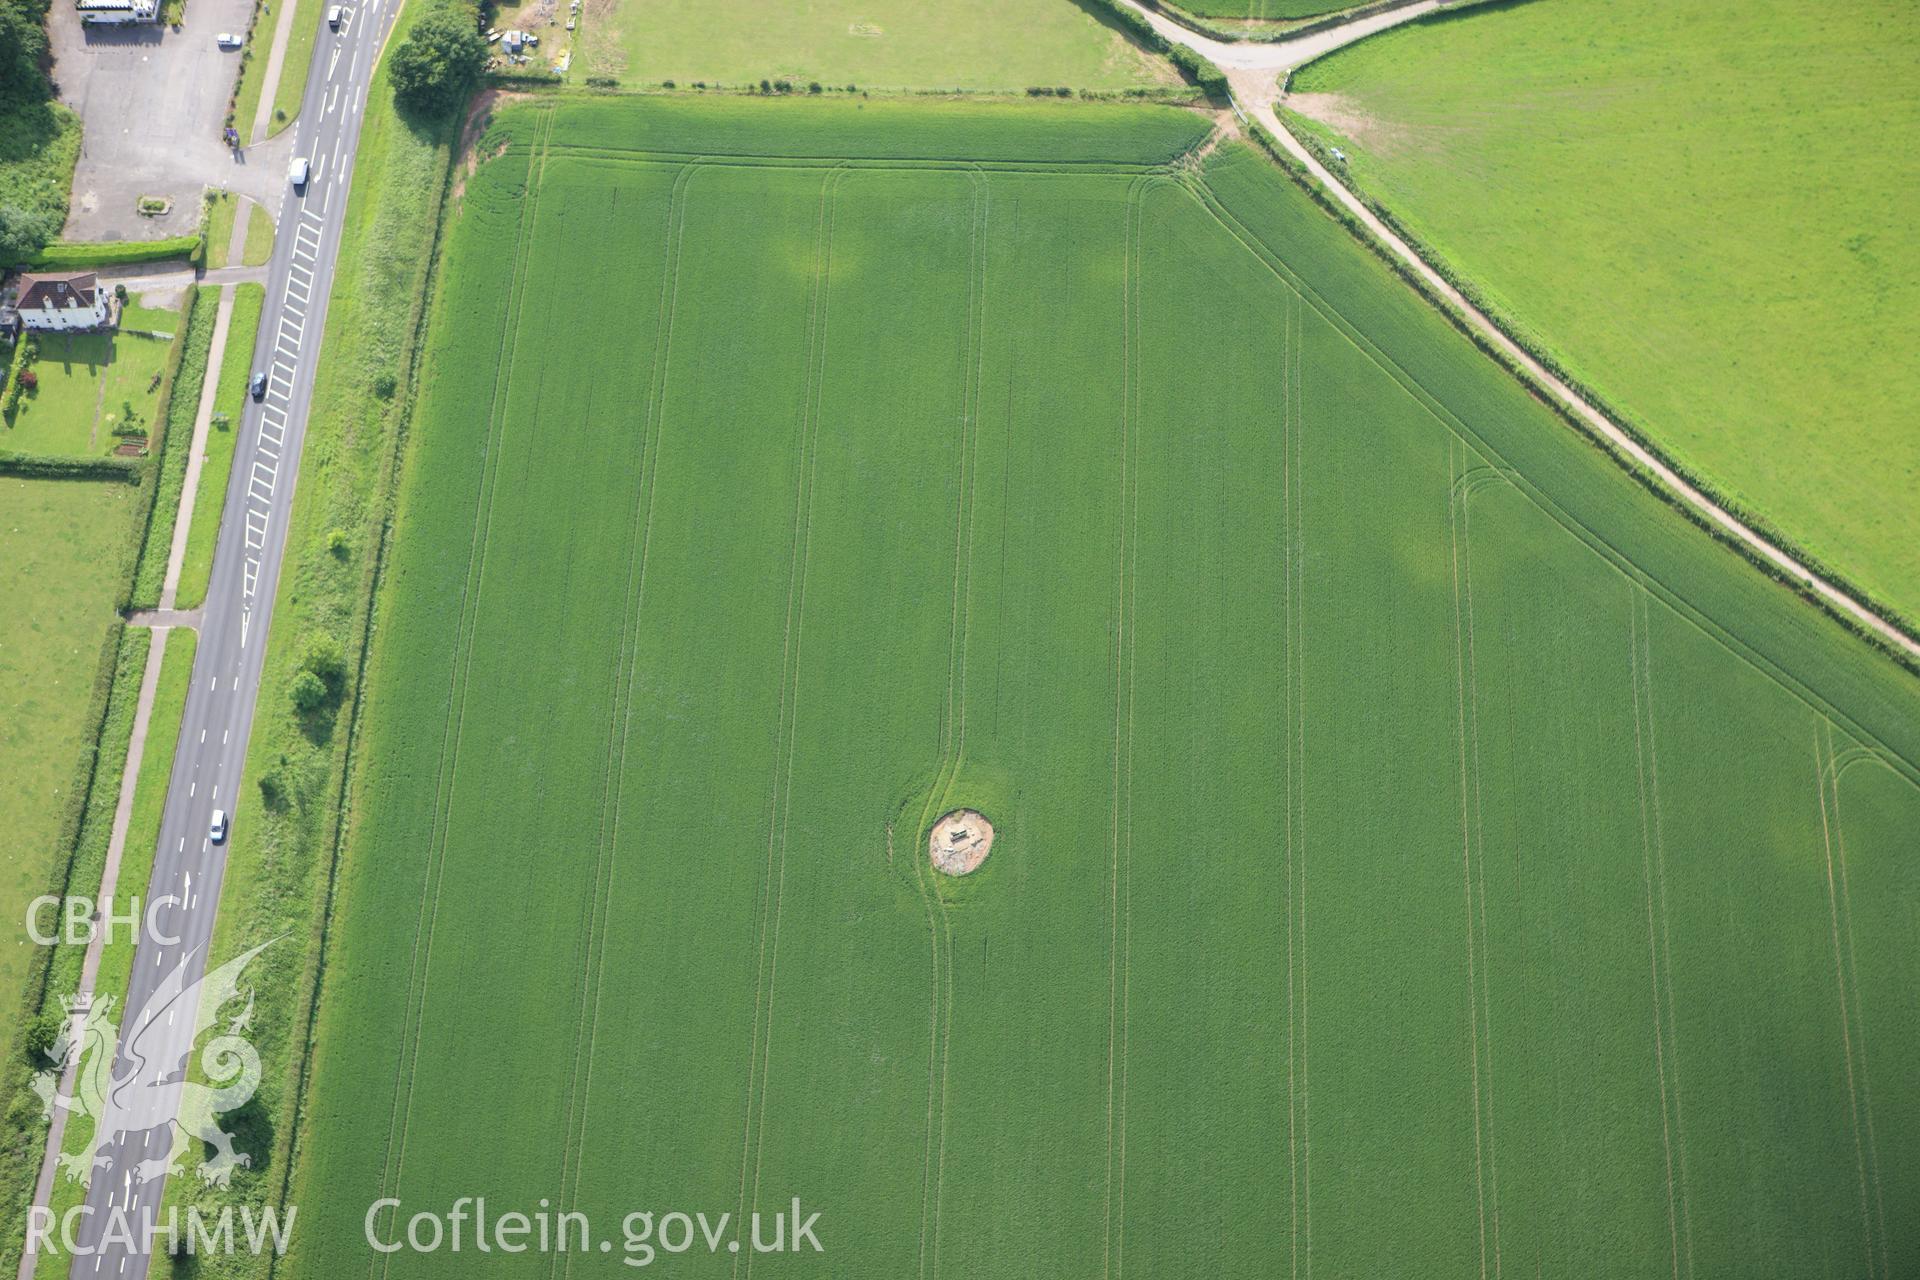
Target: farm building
[{"x": 63, "y": 300}]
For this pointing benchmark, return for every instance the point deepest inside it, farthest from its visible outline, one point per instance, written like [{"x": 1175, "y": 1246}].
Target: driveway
[{"x": 151, "y": 100}]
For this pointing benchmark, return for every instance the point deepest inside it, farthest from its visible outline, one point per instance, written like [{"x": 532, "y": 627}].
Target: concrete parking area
[{"x": 151, "y": 101}]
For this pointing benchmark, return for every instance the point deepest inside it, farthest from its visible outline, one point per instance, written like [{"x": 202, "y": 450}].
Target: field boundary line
[
  {"x": 620, "y": 720},
  {"x": 780, "y": 798},
  {"x": 1635, "y": 608},
  {"x": 1621, "y": 562},
  {"x": 1461, "y": 731},
  {"x": 1822, "y": 776},
  {"x": 1836, "y": 769},
  {"x": 398, "y": 1122}
]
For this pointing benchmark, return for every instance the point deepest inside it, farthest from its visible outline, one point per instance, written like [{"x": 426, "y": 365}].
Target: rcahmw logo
[{"x": 110, "y": 1092}]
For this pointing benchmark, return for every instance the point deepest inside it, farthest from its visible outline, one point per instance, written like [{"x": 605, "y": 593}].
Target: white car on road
[
  {"x": 228, "y": 40},
  {"x": 217, "y": 829},
  {"x": 297, "y": 173}
]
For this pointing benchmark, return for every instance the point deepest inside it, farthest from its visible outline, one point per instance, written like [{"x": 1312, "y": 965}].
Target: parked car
[
  {"x": 258, "y": 383},
  {"x": 333, "y": 16},
  {"x": 297, "y": 172},
  {"x": 228, "y": 40},
  {"x": 217, "y": 829}
]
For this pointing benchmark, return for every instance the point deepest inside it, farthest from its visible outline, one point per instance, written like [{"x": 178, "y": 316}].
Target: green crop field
[
  {"x": 1697, "y": 217},
  {"x": 987, "y": 44},
  {"x": 1420, "y": 851},
  {"x": 62, "y": 563}
]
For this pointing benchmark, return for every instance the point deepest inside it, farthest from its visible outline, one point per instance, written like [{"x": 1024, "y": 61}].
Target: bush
[
  {"x": 60, "y": 257},
  {"x": 37, "y": 1043},
  {"x": 436, "y": 66},
  {"x": 308, "y": 691},
  {"x": 325, "y": 659}
]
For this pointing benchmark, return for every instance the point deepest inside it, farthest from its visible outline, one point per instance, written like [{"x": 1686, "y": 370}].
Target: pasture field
[
  {"x": 63, "y": 548},
  {"x": 1419, "y": 850},
  {"x": 875, "y": 44},
  {"x": 1694, "y": 216}
]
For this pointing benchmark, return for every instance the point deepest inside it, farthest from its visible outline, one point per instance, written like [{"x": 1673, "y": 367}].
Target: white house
[{"x": 64, "y": 300}]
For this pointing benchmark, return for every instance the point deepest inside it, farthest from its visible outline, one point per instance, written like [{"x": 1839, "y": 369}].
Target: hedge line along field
[
  {"x": 1269, "y": 10},
  {"x": 62, "y": 564},
  {"x": 1692, "y": 216},
  {"x": 1419, "y": 850},
  {"x": 894, "y": 44}
]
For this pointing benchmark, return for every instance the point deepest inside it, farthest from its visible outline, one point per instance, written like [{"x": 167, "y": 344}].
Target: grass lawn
[
  {"x": 1696, "y": 216},
  {"x": 149, "y": 312},
  {"x": 222, "y": 206},
  {"x": 308, "y": 22},
  {"x": 88, "y": 383},
  {"x": 259, "y": 242},
  {"x": 1339, "y": 710},
  {"x": 222, "y": 210},
  {"x": 230, "y": 402},
  {"x": 62, "y": 565},
  {"x": 993, "y": 44}
]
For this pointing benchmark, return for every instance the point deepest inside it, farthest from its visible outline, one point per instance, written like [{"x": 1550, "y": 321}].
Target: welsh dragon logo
[{"x": 109, "y": 1089}]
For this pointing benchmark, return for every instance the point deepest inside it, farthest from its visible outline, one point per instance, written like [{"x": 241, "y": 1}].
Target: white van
[
  {"x": 333, "y": 16},
  {"x": 297, "y": 173}
]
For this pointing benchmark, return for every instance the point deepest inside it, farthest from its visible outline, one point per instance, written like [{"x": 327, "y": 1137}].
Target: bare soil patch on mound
[{"x": 959, "y": 842}]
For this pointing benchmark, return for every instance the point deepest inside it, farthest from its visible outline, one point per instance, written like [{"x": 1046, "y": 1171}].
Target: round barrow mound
[{"x": 959, "y": 842}]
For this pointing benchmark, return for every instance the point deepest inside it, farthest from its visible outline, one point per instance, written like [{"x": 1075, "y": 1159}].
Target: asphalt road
[{"x": 226, "y": 676}]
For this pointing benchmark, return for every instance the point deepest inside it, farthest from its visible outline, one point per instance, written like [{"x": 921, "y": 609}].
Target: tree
[
  {"x": 23, "y": 46},
  {"x": 435, "y": 67},
  {"x": 308, "y": 691}
]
